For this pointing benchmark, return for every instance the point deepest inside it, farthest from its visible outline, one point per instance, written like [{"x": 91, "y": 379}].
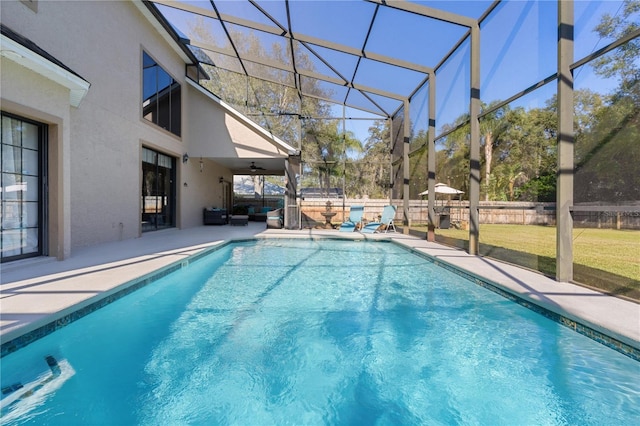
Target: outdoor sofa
[{"x": 213, "y": 216}]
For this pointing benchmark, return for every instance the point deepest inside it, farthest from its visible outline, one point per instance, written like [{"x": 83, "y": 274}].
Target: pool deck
[{"x": 38, "y": 291}]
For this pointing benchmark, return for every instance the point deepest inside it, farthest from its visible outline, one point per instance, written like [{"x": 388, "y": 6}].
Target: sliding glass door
[{"x": 158, "y": 190}]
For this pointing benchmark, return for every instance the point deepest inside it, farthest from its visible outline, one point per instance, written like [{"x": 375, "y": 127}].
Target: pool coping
[{"x": 447, "y": 257}]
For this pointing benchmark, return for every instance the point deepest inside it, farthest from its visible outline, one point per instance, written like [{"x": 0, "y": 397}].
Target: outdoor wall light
[
  {"x": 185, "y": 157},
  {"x": 221, "y": 179}
]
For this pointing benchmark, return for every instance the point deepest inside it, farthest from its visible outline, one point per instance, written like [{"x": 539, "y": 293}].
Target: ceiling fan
[{"x": 255, "y": 168}]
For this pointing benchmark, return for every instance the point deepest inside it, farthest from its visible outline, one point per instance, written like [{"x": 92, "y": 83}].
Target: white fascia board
[
  {"x": 27, "y": 58},
  {"x": 163, "y": 33},
  {"x": 270, "y": 137}
]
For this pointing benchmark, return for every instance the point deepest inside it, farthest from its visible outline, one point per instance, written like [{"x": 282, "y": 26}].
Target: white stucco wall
[
  {"x": 97, "y": 155},
  {"x": 216, "y": 133},
  {"x": 32, "y": 96},
  {"x": 103, "y": 42}
]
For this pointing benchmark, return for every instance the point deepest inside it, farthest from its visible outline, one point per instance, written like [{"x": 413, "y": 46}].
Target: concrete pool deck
[{"x": 36, "y": 292}]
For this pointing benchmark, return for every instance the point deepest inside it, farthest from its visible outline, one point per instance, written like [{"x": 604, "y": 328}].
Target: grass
[{"x": 607, "y": 259}]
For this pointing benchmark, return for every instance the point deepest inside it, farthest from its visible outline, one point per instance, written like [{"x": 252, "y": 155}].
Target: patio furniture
[
  {"x": 258, "y": 214},
  {"x": 355, "y": 219},
  {"x": 239, "y": 220},
  {"x": 213, "y": 216},
  {"x": 275, "y": 219},
  {"x": 386, "y": 222}
]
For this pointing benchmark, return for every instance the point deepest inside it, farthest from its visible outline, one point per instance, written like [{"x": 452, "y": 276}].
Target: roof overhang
[{"x": 22, "y": 55}]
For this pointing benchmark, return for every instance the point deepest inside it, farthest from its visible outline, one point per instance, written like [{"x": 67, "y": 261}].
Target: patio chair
[
  {"x": 355, "y": 219},
  {"x": 386, "y": 222},
  {"x": 275, "y": 219}
]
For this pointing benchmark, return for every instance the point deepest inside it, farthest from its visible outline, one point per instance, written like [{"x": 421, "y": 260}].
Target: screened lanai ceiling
[{"x": 366, "y": 55}]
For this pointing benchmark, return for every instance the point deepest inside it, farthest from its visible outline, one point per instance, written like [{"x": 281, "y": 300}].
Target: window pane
[
  {"x": 164, "y": 110},
  {"x": 148, "y": 156},
  {"x": 30, "y": 162},
  {"x": 30, "y": 214},
  {"x": 12, "y": 187},
  {"x": 6, "y": 130},
  {"x": 31, "y": 191},
  {"x": 147, "y": 61},
  {"x": 12, "y": 241},
  {"x": 11, "y": 215},
  {"x": 149, "y": 71},
  {"x": 164, "y": 161},
  {"x": 161, "y": 96},
  {"x": 150, "y": 85},
  {"x": 11, "y": 131},
  {"x": 31, "y": 242},
  {"x": 11, "y": 159},
  {"x": 29, "y": 136}
]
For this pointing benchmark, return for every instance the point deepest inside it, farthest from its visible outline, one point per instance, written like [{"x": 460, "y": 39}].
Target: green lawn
[{"x": 608, "y": 259}]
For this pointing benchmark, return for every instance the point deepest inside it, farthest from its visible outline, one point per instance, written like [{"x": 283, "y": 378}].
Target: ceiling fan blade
[{"x": 254, "y": 167}]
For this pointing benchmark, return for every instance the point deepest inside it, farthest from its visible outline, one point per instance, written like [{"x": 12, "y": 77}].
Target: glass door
[
  {"x": 158, "y": 190},
  {"x": 21, "y": 188}
]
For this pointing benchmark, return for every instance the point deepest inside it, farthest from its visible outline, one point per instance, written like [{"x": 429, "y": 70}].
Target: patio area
[{"x": 39, "y": 291}]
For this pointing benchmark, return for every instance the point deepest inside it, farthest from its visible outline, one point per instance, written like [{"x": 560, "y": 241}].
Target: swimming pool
[{"x": 317, "y": 332}]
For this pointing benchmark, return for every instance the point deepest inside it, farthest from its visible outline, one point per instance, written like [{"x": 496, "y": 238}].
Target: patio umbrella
[{"x": 442, "y": 188}]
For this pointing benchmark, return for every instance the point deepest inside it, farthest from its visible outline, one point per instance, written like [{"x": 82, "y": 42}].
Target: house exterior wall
[
  {"x": 34, "y": 97},
  {"x": 95, "y": 149},
  {"x": 218, "y": 133}
]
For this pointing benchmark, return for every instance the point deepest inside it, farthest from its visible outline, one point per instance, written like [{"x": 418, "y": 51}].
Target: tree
[
  {"x": 452, "y": 159},
  {"x": 621, "y": 63},
  {"x": 418, "y": 164},
  {"x": 325, "y": 151},
  {"x": 607, "y": 152},
  {"x": 492, "y": 126},
  {"x": 374, "y": 166}
]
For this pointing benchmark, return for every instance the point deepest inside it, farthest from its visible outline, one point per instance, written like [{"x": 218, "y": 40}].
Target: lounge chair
[
  {"x": 386, "y": 222},
  {"x": 354, "y": 221}
]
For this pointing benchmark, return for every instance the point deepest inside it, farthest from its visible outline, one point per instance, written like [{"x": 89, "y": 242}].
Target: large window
[
  {"x": 158, "y": 190},
  {"x": 160, "y": 97},
  {"x": 21, "y": 191}
]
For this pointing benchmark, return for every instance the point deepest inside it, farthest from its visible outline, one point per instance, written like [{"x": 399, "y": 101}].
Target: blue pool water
[{"x": 317, "y": 332}]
